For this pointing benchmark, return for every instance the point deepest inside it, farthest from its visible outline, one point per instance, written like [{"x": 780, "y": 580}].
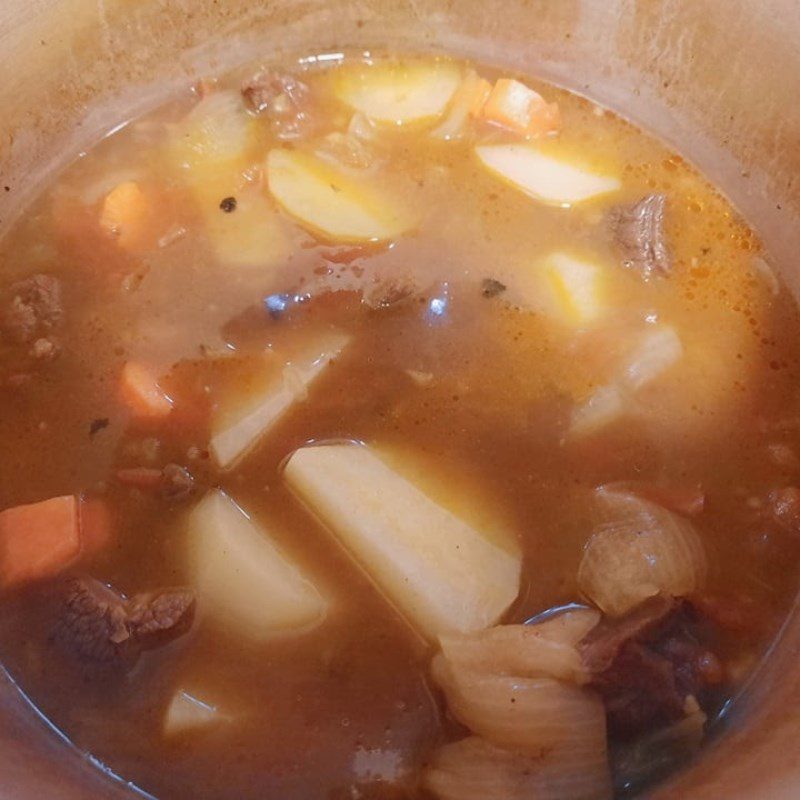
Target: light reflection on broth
[{"x": 304, "y": 383}]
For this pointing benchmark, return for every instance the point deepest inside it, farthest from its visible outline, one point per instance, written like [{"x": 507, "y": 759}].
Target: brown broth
[{"x": 313, "y": 715}]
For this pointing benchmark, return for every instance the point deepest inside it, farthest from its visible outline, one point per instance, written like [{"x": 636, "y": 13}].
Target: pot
[{"x": 715, "y": 78}]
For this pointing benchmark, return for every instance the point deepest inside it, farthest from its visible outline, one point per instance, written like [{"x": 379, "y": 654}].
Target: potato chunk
[
  {"x": 439, "y": 572},
  {"x": 243, "y": 580},
  {"x": 232, "y": 439},
  {"x": 398, "y": 92},
  {"x": 331, "y": 204},
  {"x": 543, "y": 177}
]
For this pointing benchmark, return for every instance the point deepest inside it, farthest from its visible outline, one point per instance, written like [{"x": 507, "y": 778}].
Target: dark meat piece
[
  {"x": 639, "y": 232},
  {"x": 283, "y": 99},
  {"x": 646, "y": 663},
  {"x": 34, "y": 308},
  {"x": 491, "y": 288},
  {"x": 103, "y": 627},
  {"x": 388, "y": 291}
]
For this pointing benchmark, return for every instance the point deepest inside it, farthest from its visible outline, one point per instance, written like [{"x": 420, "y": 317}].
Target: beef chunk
[
  {"x": 34, "y": 309},
  {"x": 639, "y": 232},
  {"x": 103, "y": 627},
  {"x": 647, "y": 663},
  {"x": 282, "y": 99}
]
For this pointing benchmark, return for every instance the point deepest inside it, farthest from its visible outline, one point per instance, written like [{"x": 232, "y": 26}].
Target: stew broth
[{"x": 463, "y": 368}]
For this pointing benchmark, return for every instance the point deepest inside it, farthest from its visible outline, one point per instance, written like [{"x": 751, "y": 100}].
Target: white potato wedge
[
  {"x": 577, "y": 288},
  {"x": 329, "y": 203},
  {"x": 441, "y": 574},
  {"x": 250, "y": 236},
  {"x": 243, "y": 581},
  {"x": 398, "y": 92},
  {"x": 187, "y": 713},
  {"x": 232, "y": 439},
  {"x": 542, "y": 177}
]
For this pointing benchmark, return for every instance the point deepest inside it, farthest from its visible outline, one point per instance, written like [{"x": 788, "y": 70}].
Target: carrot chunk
[
  {"x": 95, "y": 525},
  {"x": 126, "y": 215},
  {"x": 38, "y": 540},
  {"x": 142, "y": 394},
  {"x": 518, "y": 108}
]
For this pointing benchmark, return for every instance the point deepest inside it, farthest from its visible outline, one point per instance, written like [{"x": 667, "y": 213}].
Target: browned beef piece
[
  {"x": 639, "y": 233},
  {"x": 33, "y": 309},
  {"x": 103, "y": 627},
  {"x": 282, "y": 99},
  {"x": 646, "y": 663}
]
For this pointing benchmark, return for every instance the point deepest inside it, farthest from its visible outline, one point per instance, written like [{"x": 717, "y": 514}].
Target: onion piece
[
  {"x": 466, "y": 102},
  {"x": 474, "y": 769},
  {"x": 531, "y": 651},
  {"x": 658, "y": 350},
  {"x": 605, "y": 405},
  {"x": 642, "y": 549},
  {"x": 524, "y": 713}
]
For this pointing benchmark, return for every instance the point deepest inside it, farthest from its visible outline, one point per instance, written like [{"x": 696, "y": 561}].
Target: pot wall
[{"x": 717, "y": 78}]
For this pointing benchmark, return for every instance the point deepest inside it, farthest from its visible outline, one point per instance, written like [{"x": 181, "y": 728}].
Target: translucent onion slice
[
  {"x": 474, "y": 769},
  {"x": 642, "y": 549},
  {"x": 542, "y": 177},
  {"x": 530, "y": 651},
  {"x": 215, "y": 136},
  {"x": 604, "y": 406},
  {"x": 658, "y": 350},
  {"x": 524, "y": 713}
]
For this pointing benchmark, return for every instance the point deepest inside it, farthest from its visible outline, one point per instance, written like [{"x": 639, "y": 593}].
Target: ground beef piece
[
  {"x": 647, "y": 663},
  {"x": 103, "y": 627},
  {"x": 34, "y": 309},
  {"x": 282, "y": 99},
  {"x": 639, "y": 232}
]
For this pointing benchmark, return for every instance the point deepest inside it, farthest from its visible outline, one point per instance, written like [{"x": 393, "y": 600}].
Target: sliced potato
[
  {"x": 543, "y": 177},
  {"x": 243, "y": 580},
  {"x": 398, "y": 92},
  {"x": 577, "y": 288},
  {"x": 187, "y": 713},
  {"x": 231, "y": 439},
  {"x": 250, "y": 236},
  {"x": 439, "y": 572},
  {"x": 211, "y": 148},
  {"x": 330, "y": 203}
]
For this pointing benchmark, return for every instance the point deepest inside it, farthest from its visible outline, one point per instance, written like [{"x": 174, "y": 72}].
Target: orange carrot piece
[
  {"x": 95, "y": 525},
  {"x": 142, "y": 394},
  {"x": 127, "y": 215},
  {"x": 38, "y": 540},
  {"x": 518, "y": 108}
]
